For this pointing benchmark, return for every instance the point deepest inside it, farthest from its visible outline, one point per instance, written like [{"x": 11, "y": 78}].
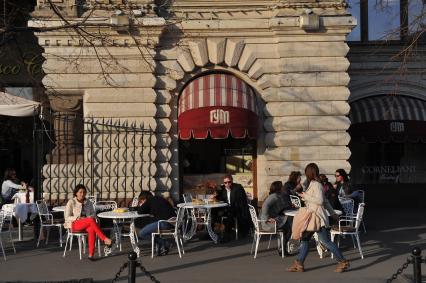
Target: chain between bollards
[
  {"x": 132, "y": 264},
  {"x": 416, "y": 259}
]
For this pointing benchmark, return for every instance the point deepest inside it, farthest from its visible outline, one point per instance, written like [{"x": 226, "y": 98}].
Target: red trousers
[{"x": 90, "y": 226}]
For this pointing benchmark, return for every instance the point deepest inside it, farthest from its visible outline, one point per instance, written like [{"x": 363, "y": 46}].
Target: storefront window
[
  {"x": 355, "y": 10},
  {"x": 388, "y": 163},
  {"x": 384, "y": 20}
]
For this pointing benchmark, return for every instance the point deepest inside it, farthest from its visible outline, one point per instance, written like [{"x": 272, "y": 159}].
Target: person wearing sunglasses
[
  {"x": 342, "y": 183},
  {"x": 235, "y": 195}
]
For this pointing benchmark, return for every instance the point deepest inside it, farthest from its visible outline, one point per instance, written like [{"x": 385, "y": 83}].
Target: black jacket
[
  {"x": 238, "y": 206},
  {"x": 158, "y": 207}
]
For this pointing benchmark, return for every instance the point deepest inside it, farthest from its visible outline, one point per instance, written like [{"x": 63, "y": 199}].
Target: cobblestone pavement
[{"x": 390, "y": 237}]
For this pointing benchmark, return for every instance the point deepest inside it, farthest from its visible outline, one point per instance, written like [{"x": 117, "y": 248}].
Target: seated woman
[
  {"x": 10, "y": 185},
  {"x": 273, "y": 207},
  {"x": 293, "y": 185},
  {"x": 80, "y": 216}
]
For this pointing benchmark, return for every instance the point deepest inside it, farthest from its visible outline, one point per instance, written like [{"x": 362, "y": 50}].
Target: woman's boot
[
  {"x": 297, "y": 266},
  {"x": 342, "y": 266}
]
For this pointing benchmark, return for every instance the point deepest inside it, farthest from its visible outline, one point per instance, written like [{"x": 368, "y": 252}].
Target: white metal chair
[
  {"x": 349, "y": 225},
  {"x": 47, "y": 221},
  {"x": 81, "y": 239},
  {"x": 295, "y": 201},
  {"x": 3, "y": 218},
  {"x": 361, "y": 198},
  {"x": 259, "y": 231},
  {"x": 176, "y": 232},
  {"x": 135, "y": 201}
]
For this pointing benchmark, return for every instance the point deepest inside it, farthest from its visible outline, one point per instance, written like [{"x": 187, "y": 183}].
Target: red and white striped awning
[{"x": 218, "y": 105}]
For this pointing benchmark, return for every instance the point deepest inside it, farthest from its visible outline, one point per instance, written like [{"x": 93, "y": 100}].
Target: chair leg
[
  {"x": 39, "y": 235},
  {"x": 60, "y": 235},
  {"x": 359, "y": 246},
  {"x": 332, "y": 239},
  {"x": 181, "y": 244},
  {"x": 178, "y": 246},
  {"x": 363, "y": 226},
  {"x": 257, "y": 245},
  {"x": 72, "y": 238},
  {"x": 252, "y": 244},
  {"x": 152, "y": 245},
  {"x": 79, "y": 245},
  {"x": 83, "y": 239},
  {"x": 99, "y": 247},
  {"x": 2, "y": 249},
  {"x": 66, "y": 244},
  {"x": 269, "y": 243}
]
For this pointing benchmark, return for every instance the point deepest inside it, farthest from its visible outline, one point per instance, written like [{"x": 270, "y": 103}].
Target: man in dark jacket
[
  {"x": 235, "y": 195},
  {"x": 160, "y": 209}
]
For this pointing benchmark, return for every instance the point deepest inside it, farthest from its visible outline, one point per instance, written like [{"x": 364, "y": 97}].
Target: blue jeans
[
  {"x": 147, "y": 230},
  {"x": 323, "y": 238}
]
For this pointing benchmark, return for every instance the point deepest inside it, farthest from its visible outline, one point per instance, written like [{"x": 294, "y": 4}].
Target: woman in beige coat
[
  {"x": 80, "y": 216},
  {"x": 316, "y": 202}
]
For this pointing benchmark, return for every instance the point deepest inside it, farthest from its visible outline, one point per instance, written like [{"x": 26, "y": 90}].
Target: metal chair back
[{"x": 295, "y": 201}]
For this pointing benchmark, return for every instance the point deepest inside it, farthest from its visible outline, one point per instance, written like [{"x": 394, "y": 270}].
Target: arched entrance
[
  {"x": 217, "y": 124},
  {"x": 388, "y": 145}
]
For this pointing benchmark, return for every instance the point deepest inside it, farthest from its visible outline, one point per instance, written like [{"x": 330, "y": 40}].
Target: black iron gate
[{"x": 113, "y": 159}]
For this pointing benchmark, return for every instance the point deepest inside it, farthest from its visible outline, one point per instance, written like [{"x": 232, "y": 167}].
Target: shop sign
[
  {"x": 219, "y": 116},
  {"x": 388, "y": 172},
  {"x": 31, "y": 63},
  {"x": 397, "y": 127}
]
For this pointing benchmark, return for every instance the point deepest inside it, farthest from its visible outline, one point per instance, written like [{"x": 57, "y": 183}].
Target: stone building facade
[{"x": 291, "y": 53}]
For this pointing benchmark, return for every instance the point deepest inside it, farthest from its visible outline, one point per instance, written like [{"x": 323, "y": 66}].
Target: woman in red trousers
[{"x": 80, "y": 216}]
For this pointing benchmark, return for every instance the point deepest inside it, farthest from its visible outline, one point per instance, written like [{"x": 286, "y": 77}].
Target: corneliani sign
[{"x": 397, "y": 169}]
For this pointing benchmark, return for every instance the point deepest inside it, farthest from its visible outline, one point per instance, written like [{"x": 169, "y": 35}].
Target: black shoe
[{"x": 92, "y": 258}]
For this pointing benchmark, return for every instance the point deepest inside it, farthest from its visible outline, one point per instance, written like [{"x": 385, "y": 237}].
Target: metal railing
[{"x": 112, "y": 158}]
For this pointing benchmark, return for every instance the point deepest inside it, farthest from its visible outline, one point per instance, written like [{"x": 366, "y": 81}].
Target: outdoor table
[
  {"x": 118, "y": 217},
  {"x": 207, "y": 221},
  {"x": 293, "y": 212},
  {"x": 20, "y": 211},
  {"x": 98, "y": 208},
  {"x": 21, "y": 197},
  {"x": 59, "y": 208}
]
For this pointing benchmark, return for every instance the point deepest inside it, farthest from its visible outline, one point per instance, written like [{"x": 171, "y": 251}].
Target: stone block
[
  {"x": 216, "y": 50},
  {"x": 307, "y": 138}
]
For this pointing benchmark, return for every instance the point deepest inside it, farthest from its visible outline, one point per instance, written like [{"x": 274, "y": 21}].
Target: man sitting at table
[
  {"x": 235, "y": 195},
  {"x": 160, "y": 209}
]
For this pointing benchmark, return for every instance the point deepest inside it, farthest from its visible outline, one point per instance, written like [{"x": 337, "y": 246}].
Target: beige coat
[
  {"x": 74, "y": 208},
  {"x": 316, "y": 202}
]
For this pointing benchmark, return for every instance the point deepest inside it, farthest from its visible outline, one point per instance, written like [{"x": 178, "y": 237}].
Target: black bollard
[
  {"x": 417, "y": 261},
  {"x": 132, "y": 267}
]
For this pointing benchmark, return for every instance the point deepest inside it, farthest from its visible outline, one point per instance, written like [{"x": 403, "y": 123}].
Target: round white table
[
  {"x": 59, "y": 208},
  {"x": 101, "y": 207},
  {"x": 207, "y": 221},
  {"x": 293, "y": 212},
  {"x": 118, "y": 218}
]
